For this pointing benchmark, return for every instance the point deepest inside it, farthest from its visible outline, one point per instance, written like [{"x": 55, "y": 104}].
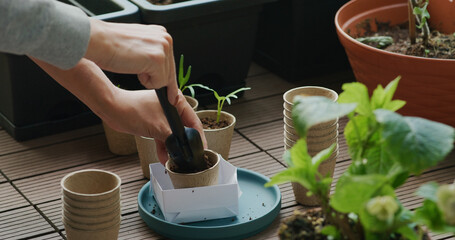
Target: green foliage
[
  {"x": 385, "y": 149},
  {"x": 222, "y": 99},
  {"x": 377, "y": 41},
  {"x": 422, "y": 13},
  {"x": 184, "y": 78}
]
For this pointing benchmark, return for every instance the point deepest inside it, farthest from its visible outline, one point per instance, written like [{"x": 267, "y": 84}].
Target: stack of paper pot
[
  {"x": 319, "y": 137},
  {"x": 91, "y": 204}
]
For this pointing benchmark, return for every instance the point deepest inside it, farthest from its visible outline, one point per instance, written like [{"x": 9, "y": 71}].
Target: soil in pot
[
  {"x": 209, "y": 123},
  {"x": 303, "y": 225},
  {"x": 439, "y": 45},
  {"x": 209, "y": 164}
]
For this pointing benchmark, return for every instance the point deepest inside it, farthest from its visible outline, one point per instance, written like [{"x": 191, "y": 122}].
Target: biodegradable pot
[
  {"x": 426, "y": 84},
  {"x": 92, "y": 226},
  {"x": 206, "y": 177},
  {"x": 91, "y": 185},
  {"x": 194, "y": 103},
  {"x": 104, "y": 234},
  {"x": 300, "y": 193},
  {"x": 146, "y": 148},
  {"x": 307, "y": 91},
  {"x": 97, "y": 219},
  {"x": 91, "y": 204},
  {"x": 91, "y": 212},
  {"x": 321, "y": 127},
  {"x": 442, "y": 16},
  {"x": 119, "y": 143},
  {"x": 219, "y": 140}
]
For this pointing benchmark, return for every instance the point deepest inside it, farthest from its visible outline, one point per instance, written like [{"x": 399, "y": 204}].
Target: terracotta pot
[
  {"x": 146, "y": 150},
  {"x": 119, "y": 143},
  {"x": 219, "y": 140},
  {"x": 442, "y": 17},
  {"x": 207, "y": 177},
  {"x": 104, "y": 234},
  {"x": 194, "y": 103},
  {"x": 427, "y": 85}
]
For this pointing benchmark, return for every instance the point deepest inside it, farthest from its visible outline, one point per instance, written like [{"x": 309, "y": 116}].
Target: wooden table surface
[{"x": 30, "y": 171}]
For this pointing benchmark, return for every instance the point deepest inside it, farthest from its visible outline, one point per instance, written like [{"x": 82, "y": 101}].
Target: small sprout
[
  {"x": 383, "y": 208},
  {"x": 222, "y": 99},
  {"x": 379, "y": 41},
  {"x": 184, "y": 78}
]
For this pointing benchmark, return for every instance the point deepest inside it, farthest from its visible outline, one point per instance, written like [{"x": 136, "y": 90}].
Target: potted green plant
[
  {"x": 427, "y": 83},
  {"x": 385, "y": 148},
  {"x": 218, "y": 124}
]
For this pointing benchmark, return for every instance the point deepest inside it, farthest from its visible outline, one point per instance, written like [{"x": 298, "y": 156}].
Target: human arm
[
  {"x": 61, "y": 35},
  {"x": 135, "y": 112}
]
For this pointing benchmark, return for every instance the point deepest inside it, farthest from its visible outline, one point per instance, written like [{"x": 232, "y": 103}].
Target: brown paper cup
[
  {"x": 91, "y": 204},
  {"x": 104, "y": 234},
  {"x": 92, "y": 226},
  {"x": 119, "y": 143},
  {"x": 91, "y": 185},
  {"x": 307, "y": 91},
  {"x": 207, "y": 177},
  {"x": 91, "y": 212},
  {"x": 194, "y": 103},
  {"x": 219, "y": 140},
  {"x": 146, "y": 148},
  {"x": 95, "y": 219}
]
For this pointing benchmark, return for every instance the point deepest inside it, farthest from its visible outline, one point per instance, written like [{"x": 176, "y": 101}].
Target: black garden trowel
[{"x": 184, "y": 145}]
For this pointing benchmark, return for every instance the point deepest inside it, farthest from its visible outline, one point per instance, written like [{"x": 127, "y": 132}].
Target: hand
[{"x": 145, "y": 50}]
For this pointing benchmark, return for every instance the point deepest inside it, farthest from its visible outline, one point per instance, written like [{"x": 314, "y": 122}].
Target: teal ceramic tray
[{"x": 258, "y": 207}]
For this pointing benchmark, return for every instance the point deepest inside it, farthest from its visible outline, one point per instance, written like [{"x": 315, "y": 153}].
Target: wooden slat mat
[
  {"x": 241, "y": 146},
  {"x": 10, "y": 198},
  {"x": 256, "y": 112},
  {"x": 23, "y": 223},
  {"x": 266, "y": 136},
  {"x": 55, "y": 157},
  {"x": 256, "y": 69},
  {"x": 9, "y": 145},
  {"x": 2, "y": 179},
  {"x": 46, "y": 187},
  {"x": 51, "y": 236},
  {"x": 266, "y": 85}
]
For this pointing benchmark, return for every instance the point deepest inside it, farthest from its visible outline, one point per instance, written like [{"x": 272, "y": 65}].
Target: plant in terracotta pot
[
  {"x": 385, "y": 148},
  {"x": 219, "y": 125},
  {"x": 427, "y": 77}
]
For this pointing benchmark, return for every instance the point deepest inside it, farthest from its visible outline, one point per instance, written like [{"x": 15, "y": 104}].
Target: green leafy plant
[
  {"x": 385, "y": 149},
  {"x": 184, "y": 78},
  {"x": 222, "y": 99}
]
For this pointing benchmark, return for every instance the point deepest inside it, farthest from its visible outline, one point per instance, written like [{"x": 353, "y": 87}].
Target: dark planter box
[
  {"x": 216, "y": 37},
  {"x": 297, "y": 38},
  {"x": 32, "y": 104}
]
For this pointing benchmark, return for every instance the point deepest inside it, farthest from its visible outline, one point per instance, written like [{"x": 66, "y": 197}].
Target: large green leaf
[
  {"x": 415, "y": 143},
  {"x": 382, "y": 98},
  {"x": 356, "y": 93},
  {"x": 309, "y": 111},
  {"x": 353, "y": 192},
  {"x": 428, "y": 191},
  {"x": 299, "y": 154}
]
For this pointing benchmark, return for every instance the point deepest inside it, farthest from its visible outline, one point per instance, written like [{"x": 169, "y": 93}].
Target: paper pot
[
  {"x": 91, "y": 185},
  {"x": 92, "y": 226},
  {"x": 97, "y": 219},
  {"x": 91, "y": 204},
  {"x": 287, "y": 119},
  {"x": 219, "y": 140},
  {"x": 119, "y": 143},
  {"x": 207, "y": 177},
  {"x": 91, "y": 212},
  {"x": 300, "y": 193},
  {"x": 194, "y": 103},
  {"x": 104, "y": 234},
  {"x": 307, "y": 91},
  {"x": 146, "y": 150}
]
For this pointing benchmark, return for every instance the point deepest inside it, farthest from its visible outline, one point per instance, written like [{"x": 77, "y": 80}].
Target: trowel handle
[{"x": 175, "y": 122}]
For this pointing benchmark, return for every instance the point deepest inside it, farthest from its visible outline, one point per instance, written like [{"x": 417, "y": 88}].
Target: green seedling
[
  {"x": 379, "y": 41},
  {"x": 222, "y": 99},
  {"x": 184, "y": 78},
  {"x": 385, "y": 148}
]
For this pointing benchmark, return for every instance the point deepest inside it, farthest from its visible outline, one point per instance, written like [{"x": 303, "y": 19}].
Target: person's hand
[
  {"x": 134, "y": 112},
  {"x": 140, "y": 113},
  {"x": 145, "y": 50}
]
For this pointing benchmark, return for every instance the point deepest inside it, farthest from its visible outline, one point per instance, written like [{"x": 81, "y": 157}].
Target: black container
[
  {"x": 216, "y": 37},
  {"x": 32, "y": 104},
  {"x": 297, "y": 38}
]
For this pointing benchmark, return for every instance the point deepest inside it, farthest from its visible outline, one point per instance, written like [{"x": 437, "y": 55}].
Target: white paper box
[{"x": 196, "y": 204}]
